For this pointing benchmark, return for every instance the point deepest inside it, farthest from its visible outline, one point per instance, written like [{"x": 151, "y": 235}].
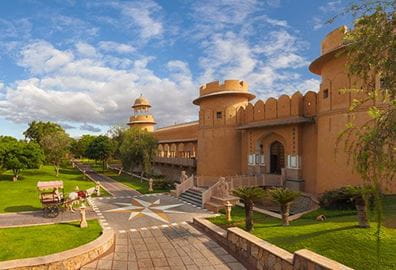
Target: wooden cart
[{"x": 51, "y": 195}]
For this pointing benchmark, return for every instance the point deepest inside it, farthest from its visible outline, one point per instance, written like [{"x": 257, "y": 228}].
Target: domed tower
[
  {"x": 142, "y": 117},
  {"x": 219, "y": 142}
]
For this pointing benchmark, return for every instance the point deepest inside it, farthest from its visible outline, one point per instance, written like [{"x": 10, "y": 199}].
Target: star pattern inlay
[{"x": 150, "y": 209}]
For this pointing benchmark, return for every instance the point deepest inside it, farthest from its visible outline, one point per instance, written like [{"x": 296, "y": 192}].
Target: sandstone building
[{"x": 289, "y": 140}]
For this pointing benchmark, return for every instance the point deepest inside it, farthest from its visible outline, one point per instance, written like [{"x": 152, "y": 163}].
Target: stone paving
[
  {"x": 113, "y": 187},
  {"x": 36, "y": 217},
  {"x": 175, "y": 247},
  {"x": 131, "y": 212}
]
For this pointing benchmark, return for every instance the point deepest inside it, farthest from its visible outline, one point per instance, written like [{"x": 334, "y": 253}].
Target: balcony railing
[{"x": 187, "y": 162}]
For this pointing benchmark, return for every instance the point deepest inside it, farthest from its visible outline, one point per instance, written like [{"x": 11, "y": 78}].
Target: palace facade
[{"x": 290, "y": 140}]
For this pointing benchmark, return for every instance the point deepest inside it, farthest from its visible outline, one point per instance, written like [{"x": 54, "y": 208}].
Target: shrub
[
  {"x": 162, "y": 184},
  {"x": 338, "y": 199}
]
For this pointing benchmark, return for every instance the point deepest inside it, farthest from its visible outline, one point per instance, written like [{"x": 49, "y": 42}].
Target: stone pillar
[
  {"x": 151, "y": 185},
  {"x": 97, "y": 188},
  {"x": 228, "y": 208},
  {"x": 83, "y": 219}
]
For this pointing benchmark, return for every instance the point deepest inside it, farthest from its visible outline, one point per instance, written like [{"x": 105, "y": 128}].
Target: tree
[
  {"x": 56, "y": 147},
  {"x": 249, "y": 195},
  {"x": 371, "y": 57},
  {"x": 101, "y": 149},
  {"x": 19, "y": 155},
  {"x": 79, "y": 147},
  {"x": 284, "y": 197},
  {"x": 137, "y": 150},
  {"x": 4, "y": 142},
  {"x": 38, "y": 129},
  {"x": 116, "y": 134},
  {"x": 360, "y": 196}
]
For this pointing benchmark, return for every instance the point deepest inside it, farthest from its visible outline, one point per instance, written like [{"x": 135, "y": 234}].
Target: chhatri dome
[{"x": 142, "y": 117}]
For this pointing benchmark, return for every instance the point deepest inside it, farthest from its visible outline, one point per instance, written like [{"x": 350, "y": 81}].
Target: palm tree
[
  {"x": 284, "y": 197},
  {"x": 249, "y": 195},
  {"x": 360, "y": 197}
]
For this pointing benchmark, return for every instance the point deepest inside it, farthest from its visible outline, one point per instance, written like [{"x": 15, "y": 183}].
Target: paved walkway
[
  {"x": 173, "y": 247},
  {"x": 36, "y": 217},
  {"x": 113, "y": 187}
]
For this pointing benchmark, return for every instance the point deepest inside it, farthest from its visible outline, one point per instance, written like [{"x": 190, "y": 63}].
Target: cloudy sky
[{"x": 82, "y": 63}]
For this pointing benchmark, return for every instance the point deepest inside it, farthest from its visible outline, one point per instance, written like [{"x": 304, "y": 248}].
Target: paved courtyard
[
  {"x": 173, "y": 247},
  {"x": 144, "y": 211}
]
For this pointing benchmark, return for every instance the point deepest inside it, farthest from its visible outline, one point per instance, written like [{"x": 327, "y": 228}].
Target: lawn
[
  {"x": 130, "y": 181},
  {"x": 337, "y": 238},
  {"x": 22, "y": 195},
  {"x": 26, "y": 242}
]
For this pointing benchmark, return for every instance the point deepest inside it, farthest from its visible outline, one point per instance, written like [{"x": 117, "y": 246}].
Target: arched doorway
[{"x": 277, "y": 157}]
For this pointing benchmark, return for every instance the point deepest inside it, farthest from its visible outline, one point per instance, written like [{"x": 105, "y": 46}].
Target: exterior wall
[
  {"x": 219, "y": 143},
  {"x": 177, "y": 132},
  {"x": 308, "y": 127}
]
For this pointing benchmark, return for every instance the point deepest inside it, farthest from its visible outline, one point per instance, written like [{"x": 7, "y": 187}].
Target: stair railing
[
  {"x": 184, "y": 186},
  {"x": 207, "y": 194}
]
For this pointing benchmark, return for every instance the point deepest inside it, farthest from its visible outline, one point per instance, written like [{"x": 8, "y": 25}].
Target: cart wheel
[
  {"x": 45, "y": 211},
  {"x": 53, "y": 211}
]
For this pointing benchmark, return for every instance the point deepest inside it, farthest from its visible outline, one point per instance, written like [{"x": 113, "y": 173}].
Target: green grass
[
  {"x": 22, "y": 195},
  {"x": 26, "y": 242},
  {"x": 130, "y": 181},
  {"x": 337, "y": 238}
]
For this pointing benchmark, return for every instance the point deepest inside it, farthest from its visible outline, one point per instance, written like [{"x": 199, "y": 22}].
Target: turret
[
  {"x": 219, "y": 152},
  {"x": 142, "y": 117}
]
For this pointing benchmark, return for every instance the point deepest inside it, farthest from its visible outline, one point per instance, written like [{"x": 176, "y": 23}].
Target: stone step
[
  {"x": 184, "y": 195},
  {"x": 191, "y": 200},
  {"x": 191, "y": 194},
  {"x": 214, "y": 207},
  {"x": 190, "y": 191}
]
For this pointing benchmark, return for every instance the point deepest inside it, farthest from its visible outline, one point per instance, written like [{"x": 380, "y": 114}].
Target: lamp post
[
  {"x": 228, "y": 207},
  {"x": 83, "y": 219}
]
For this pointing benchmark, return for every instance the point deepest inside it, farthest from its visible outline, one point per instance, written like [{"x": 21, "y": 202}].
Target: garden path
[{"x": 113, "y": 187}]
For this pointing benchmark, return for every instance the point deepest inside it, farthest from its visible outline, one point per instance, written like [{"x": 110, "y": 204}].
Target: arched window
[{"x": 277, "y": 157}]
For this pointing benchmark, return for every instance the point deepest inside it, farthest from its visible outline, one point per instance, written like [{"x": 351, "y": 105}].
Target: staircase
[{"x": 193, "y": 196}]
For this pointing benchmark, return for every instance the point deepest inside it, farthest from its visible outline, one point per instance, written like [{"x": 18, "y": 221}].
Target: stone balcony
[{"x": 186, "y": 162}]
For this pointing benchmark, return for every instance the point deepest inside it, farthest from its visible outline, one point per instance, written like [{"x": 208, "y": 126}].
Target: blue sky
[{"x": 82, "y": 63}]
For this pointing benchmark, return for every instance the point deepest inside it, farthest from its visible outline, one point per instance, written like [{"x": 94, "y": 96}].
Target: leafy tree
[
  {"x": 249, "y": 195},
  {"x": 38, "y": 129},
  {"x": 56, "y": 147},
  {"x": 371, "y": 58},
  {"x": 360, "y": 196},
  {"x": 79, "y": 147},
  {"x": 4, "y": 142},
  {"x": 19, "y": 155},
  {"x": 100, "y": 149},
  {"x": 116, "y": 134},
  {"x": 137, "y": 150},
  {"x": 284, "y": 197}
]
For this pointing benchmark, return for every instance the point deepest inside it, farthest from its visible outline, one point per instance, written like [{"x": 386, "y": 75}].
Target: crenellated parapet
[
  {"x": 283, "y": 107},
  {"x": 228, "y": 85}
]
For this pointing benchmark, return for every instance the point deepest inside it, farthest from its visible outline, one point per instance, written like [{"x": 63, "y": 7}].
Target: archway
[{"x": 277, "y": 157}]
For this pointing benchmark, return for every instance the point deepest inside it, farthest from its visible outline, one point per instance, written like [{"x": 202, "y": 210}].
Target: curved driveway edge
[{"x": 70, "y": 259}]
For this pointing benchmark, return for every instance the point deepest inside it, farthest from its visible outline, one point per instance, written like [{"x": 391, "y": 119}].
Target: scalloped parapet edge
[{"x": 227, "y": 85}]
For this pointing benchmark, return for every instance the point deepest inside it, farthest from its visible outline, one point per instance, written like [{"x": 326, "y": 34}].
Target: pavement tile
[
  {"x": 121, "y": 248},
  {"x": 120, "y": 265},
  {"x": 140, "y": 247},
  {"x": 236, "y": 266},
  {"x": 140, "y": 254},
  {"x": 159, "y": 262},
  {"x": 122, "y": 256},
  {"x": 104, "y": 264},
  {"x": 156, "y": 254},
  {"x": 145, "y": 263},
  {"x": 133, "y": 266},
  {"x": 175, "y": 261},
  {"x": 228, "y": 258}
]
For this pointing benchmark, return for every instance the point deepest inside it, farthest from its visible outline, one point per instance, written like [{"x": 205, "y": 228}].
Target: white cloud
[
  {"x": 111, "y": 46},
  {"x": 88, "y": 91},
  {"x": 86, "y": 50},
  {"x": 144, "y": 15},
  {"x": 90, "y": 128},
  {"x": 41, "y": 57}
]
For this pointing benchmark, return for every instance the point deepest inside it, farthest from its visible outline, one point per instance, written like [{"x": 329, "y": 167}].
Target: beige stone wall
[
  {"x": 177, "y": 132},
  {"x": 256, "y": 253}
]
